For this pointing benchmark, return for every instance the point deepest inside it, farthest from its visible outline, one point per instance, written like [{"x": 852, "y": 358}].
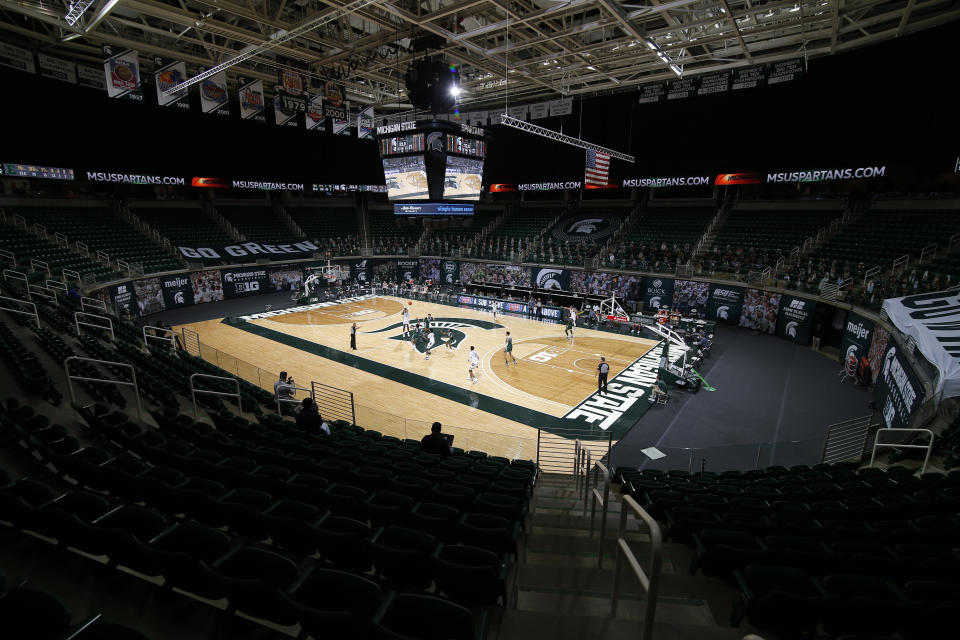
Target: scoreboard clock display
[
  {"x": 466, "y": 146},
  {"x": 36, "y": 171},
  {"x": 401, "y": 144}
]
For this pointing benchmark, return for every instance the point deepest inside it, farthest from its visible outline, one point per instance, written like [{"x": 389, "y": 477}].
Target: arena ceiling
[{"x": 508, "y": 51}]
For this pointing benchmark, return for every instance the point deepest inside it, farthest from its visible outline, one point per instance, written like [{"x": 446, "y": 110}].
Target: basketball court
[{"x": 399, "y": 391}]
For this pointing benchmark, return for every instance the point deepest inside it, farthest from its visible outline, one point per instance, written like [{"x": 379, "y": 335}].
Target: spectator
[
  {"x": 282, "y": 387},
  {"x": 436, "y": 442},
  {"x": 309, "y": 420}
]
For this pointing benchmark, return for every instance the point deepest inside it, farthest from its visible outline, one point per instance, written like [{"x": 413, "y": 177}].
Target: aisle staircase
[{"x": 561, "y": 593}]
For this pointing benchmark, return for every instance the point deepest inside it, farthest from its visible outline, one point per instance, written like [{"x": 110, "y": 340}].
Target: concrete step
[
  {"x": 574, "y": 519},
  {"x": 693, "y": 612},
  {"x": 517, "y": 624}
]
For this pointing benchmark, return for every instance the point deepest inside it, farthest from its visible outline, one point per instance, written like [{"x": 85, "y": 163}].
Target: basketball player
[
  {"x": 508, "y": 350},
  {"x": 430, "y": 338},
  {"x": 448, "y": 338},
  {"x": 406, "y": 321},
  {"x": 474, "y": 359},
  {"x": 569, "y": 330}
]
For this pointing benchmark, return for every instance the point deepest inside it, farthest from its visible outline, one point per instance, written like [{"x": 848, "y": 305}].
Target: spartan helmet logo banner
[
  {"x": 791, "y": 329},
  {"x": 457, "y": 328},
  {"x": 582, "y": 227},
  {"x": 724, "y": 303},
  {"x": 552, "y": 279}
]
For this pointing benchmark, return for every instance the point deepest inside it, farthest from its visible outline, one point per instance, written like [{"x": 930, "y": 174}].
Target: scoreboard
[
  {"x": 35, "y": 171},
  {"x": 396, "y": 145},
  {"x": 466, "y": 146}
]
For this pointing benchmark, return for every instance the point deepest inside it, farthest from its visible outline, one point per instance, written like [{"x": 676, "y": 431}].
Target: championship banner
[
  {"x": 562, "y": 107},
  {"x": 365, "y": 123},
  {"x": 90, "y": 77},
  {"x": 122, "y": 71},
  {"x": 177, "y": 291},
  {"x": 785, "y": 71},
  {"x": 408, "y": 270},
  {"x": 682, "y": 88},
  {"x": 748, "y": 77},
  {"x": 898, "y": 392},
  {"x": 206, "y": 286},
  {"x": 342, "y": 127},
  {"x": 56, "y": 68},
  {"x": 795, "y": 319},
  {"x": 123, "y": 297},
  {"x": 169, "y": 74},
  {"x": 250, "y": 281},
  {"x": 539, "y": 111},
  {"x": 714, "y": 83},
  {"x": 252, "y": 104},
  {"x": 547, "y": 278},
  {"x": 249, "y": 251},
  {"x": 335, "y": 106},
  {"x": 690, "y": 295},
  {"x": 760, "y": 310},
  {"x": 285, "y": 277},
  {"x": 17, "y": 58},
  {"x": 933, "y": 321},
  {"x": 213, "y": 94},
  {"x": 314, "y": 114},
  {"x": 725, "y": 303},
  {"x": 658, "y": 293},
  {"x": 290, "y": 100},
  {"x": 857, "y": 333},
  {"x": 520, "y": 113},
  {"x": 149, "y": 295},
  {"x": 653, "y": 93},
  {"x": 362, "y": 271}
]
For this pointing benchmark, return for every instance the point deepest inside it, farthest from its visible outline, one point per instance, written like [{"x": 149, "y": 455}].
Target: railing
[
  {"x": 846, "y": 439},
  {"x": 8, "y": 255},
  {"x": 334, "y": 402},
  {"x": 929, "y": 251},
  {"x": 102, "y": 327},
  {"x": 289, "y": 399},
  {"x": 191, "y": 341},
  {"x": 70, "y": 274},
  {"x": 122, "y": 383},
  {"x": 61, "y": 240},
  {"x": 104, "y": 257},
  {"x": 10, "y": 274},
  {"x": 167, "y": 335},
  {"x": 40, "y": 265},
  {"x": 901, "y": 262},
  {"x": 19, "y": 220},
  {"x": 33, "y": 314},
  {"x": 39, "y": 230},
  {"x": 56, "y": 284},
  {"x": 82, "y": 248},
  {"x": 46, "y": 293},
  {"x": 554, "y": 450},
  {"x": 93, "y": 303},
  {"x": 869, "y": 274},
  {"x": 194, "y": 391},
  {"x": 649, "y": 579},
  {"x": 953, "y": 240},
  {"x": 604, "y": 501},
  {"x": 928, "y": 446}
]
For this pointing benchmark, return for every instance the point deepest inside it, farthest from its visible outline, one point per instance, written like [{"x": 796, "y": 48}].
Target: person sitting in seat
[
  {"x": 658, "y": 393},
  {"x": 437, "y": 442},
  {"x": 309, "y": 419},
  {"x": 283, "y": 387}
]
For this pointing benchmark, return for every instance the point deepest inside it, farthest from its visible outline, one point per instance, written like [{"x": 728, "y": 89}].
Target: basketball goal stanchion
[
  {"x": 32, "y": 314},
  {"x": 194, "y": 391},
  {"x": 159, "y": 333},
  {"x": 103, "y": 327}
]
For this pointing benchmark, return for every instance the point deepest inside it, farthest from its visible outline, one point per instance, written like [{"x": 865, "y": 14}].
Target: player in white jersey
[
  {"x": 474, "y": 359},
  {"x": 431, "y": 340},
  {"x": 406, "y": 321}
]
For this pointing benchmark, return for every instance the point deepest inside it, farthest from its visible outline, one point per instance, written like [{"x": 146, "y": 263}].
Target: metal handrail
[
  {"x": 649, "y": 581},
  {"x": 168, "y": 337},
  {"x": 93, "y": 303},
  {"x": 194, "y": 391},
  {"x": 36, "y": 318},
  {"x": 133, "y": 372},
  {"x": 107, "y": 327},
  {"x": 46, "y": 293},
  {"x": 604, "y": 501},
  {"x": 294, "y": 400},
  {"x": 586, "y": 474},
  {"x": 928, "y": 446}
]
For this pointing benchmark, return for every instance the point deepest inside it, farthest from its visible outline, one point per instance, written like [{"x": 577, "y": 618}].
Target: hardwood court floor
[{"x": 398, "y": 391}]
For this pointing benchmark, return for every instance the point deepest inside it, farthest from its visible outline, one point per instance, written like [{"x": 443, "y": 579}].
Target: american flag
[{"x": 598, "y": 168}]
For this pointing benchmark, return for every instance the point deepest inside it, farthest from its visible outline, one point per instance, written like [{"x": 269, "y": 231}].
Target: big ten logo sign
[
  {"x": 546, "y": 355},
  {"x": 246, "y": 287}
]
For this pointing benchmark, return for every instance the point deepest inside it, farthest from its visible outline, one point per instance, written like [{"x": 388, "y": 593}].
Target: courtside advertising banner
[
  {"x": 314, "y": 114},
  {"x": 408, "y": 270},
  {"x": 177, "y": 290},
  {"x": 248, "y": 281},
  {"x": 658, "y": 293},
  {"x": 933, "y": 321},
  {"x": 795, "y": 318},
  {"x": 725, "y": 303},
  {"x": 249, "y": 251},
  {"x": 122, "y": 71},
  {"x": 149, "y": 296},
  {"x": 168, "y": 74},
  {"x": 365, "y": 126},
  {"x": 252, "y": 103},
  {"x": 690, "y": 295},
  {"x": 857, "y": 333},
  {"x": 123, "y": 296},
  {"x": 760, "y": 310},
  {"x": 362, "y": 271},
  {"x": 206, "y": 286},
  {"x": 213, "y": 94},
  {"x": 898, "y": 392},
  {"x": 549, "y": 278}
]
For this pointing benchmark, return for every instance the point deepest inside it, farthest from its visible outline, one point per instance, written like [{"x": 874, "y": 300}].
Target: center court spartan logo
[{"x": 454, "y": 325}]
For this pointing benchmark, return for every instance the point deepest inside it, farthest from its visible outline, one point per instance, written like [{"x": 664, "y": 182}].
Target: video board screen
[
  {"x": 35, "y": 171},
  {"x": 406, "y": 178},
  {"x": 466, "y": 146},
  {"x": 463, "y": 179},
  {"x": 434, "y": 209}
]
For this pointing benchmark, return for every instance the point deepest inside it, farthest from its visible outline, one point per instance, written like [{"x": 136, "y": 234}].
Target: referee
[
  {"x": 353, "y": 336},
  {"x": 602, "y": 370}
]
